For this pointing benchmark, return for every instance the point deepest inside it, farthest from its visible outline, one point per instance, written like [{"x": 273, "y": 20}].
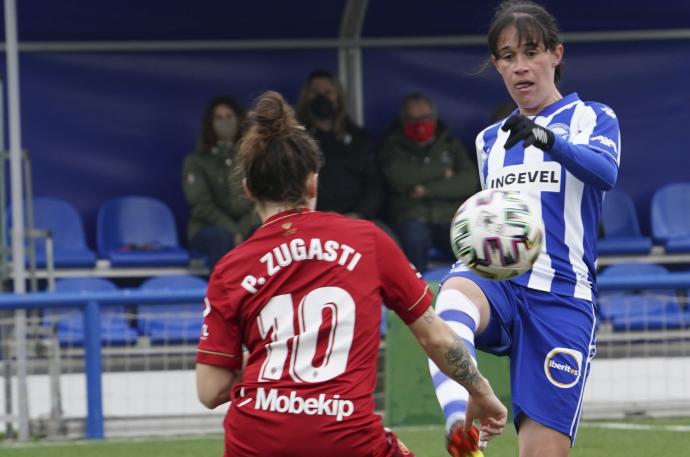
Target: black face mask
[{"x": 321, "y": 107}]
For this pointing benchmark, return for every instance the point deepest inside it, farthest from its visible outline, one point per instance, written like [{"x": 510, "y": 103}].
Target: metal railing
[
  {"x": 90, "y": 305},
  {"x": 674, "y": 280}
]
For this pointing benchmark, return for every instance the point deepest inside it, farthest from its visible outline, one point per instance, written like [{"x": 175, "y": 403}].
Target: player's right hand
[
  {"x": 461, "y": 443},
  {"x": 488, "y": 409},
  {"x": 523, "y": 128}
]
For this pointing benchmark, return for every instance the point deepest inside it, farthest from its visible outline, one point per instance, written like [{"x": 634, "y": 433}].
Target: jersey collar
[
  {"x": 285, "y": 214},
  {"x": 570, "y": 98}
]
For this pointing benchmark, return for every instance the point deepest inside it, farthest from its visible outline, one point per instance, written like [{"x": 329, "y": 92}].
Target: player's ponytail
[{"x": 276, "y": 154}]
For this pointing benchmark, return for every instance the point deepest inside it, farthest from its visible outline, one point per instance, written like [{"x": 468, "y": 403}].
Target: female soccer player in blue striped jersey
[{"x": 543, "y": 320}]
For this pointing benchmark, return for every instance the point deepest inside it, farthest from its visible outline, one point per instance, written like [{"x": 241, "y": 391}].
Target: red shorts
[
  {"x": 258, "y": 433},
  {"x": 396, "y": 448}
]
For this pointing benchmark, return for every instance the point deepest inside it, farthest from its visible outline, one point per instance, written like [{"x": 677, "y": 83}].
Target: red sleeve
[
  {"x": 220, "y": 343},
  {"x": 404, "y": 290}
]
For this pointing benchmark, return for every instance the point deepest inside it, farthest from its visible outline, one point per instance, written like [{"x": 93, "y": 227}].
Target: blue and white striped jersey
[{"x": 565, "y": 185}]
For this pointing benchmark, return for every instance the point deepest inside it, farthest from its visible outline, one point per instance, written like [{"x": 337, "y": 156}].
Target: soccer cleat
[{"x": 464, "y": 444}]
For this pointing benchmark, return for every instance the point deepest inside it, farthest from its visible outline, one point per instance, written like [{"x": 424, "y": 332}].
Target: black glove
[{"x": 524, "y": 128}]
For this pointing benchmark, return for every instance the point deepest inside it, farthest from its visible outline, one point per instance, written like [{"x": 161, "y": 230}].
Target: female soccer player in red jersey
[{"x": 303, "y": 295}]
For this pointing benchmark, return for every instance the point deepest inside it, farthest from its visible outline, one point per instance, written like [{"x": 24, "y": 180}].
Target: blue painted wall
[{"x": 111, "y": 124}]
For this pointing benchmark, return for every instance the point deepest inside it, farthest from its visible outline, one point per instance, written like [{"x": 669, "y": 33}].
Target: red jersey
[{"x": 304, "y": 296}]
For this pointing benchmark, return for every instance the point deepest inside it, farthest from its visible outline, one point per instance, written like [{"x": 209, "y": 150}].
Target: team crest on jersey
[
  {"x": 560, "y": 129},
  {"x": 563, "y": 367}
]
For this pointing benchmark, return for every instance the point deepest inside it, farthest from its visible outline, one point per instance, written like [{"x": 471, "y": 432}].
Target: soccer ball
[{"x": 496, "y": 234}]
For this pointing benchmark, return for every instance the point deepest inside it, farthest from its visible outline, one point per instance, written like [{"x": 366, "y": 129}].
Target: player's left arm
[
  {"x": 592, "y": 154},
  {"x": 213, "y": 384},
  {"x": 450, "y": 354}
]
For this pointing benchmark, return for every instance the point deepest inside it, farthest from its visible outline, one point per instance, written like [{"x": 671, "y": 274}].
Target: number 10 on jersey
[{"x": 277, "y": 318}]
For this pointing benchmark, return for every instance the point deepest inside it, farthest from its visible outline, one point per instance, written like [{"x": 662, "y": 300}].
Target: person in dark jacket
[
  {"x": 428, "y": 174},
  {"x": 350, "y": 179},
  {"x": 221, "y": 216}
]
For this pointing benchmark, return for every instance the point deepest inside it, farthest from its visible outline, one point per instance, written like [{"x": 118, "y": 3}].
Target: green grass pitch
[{"x": 652, "y": 438}]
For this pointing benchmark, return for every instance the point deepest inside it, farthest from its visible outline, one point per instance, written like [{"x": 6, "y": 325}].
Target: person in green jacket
[
  {"x": 221, "y": 217},
  {"x": 428, "y": 174}
]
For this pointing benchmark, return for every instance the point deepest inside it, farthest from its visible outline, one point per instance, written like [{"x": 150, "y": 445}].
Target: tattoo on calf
[{"x": 461, "y": 365}]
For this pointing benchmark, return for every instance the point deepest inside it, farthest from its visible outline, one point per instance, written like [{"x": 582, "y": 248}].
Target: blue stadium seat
[
  {"x": 622, "y": 233},
  {"x": 138, "y": 231},
  {"x": 621, "y": 305},
  {"x": 670, "y": 319},
  {"x": 670, "y": 217},
  {"x": 640, "y": 310},
  {"x": 177, "y": 323},
  {"x": 63, "y": 221},
  {"x": 69, "y": 322}
]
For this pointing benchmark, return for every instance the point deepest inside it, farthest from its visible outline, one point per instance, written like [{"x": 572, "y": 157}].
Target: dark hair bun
[
  {"x": 272, "y": 116},
  {"x": 276, "y": 155}
]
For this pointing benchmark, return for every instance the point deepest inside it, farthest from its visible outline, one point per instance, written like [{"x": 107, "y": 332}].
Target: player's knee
[
  {"x": 474, "y": 294},
  {"x": 536, "y": 440}
]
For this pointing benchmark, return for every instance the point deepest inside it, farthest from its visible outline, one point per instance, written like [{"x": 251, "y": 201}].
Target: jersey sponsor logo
[
  {"x": 606, "y": 141},
  {"x": 543, "y": 177},
  {"x": 563, "y": 367},
  {"x": 271, "y": 400}
]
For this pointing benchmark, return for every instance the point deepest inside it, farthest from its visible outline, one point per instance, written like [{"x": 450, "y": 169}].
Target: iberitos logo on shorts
[{"x": 563, "y": 367}]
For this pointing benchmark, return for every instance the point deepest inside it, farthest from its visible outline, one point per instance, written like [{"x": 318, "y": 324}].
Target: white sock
[{"x": 463, "y": 317}]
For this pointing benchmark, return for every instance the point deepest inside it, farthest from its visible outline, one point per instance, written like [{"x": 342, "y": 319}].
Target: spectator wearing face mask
[
  {"x": 428, "y": 174},
  {"x": 221, "y": 217},
  {"x": 350, "y": 179}
]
